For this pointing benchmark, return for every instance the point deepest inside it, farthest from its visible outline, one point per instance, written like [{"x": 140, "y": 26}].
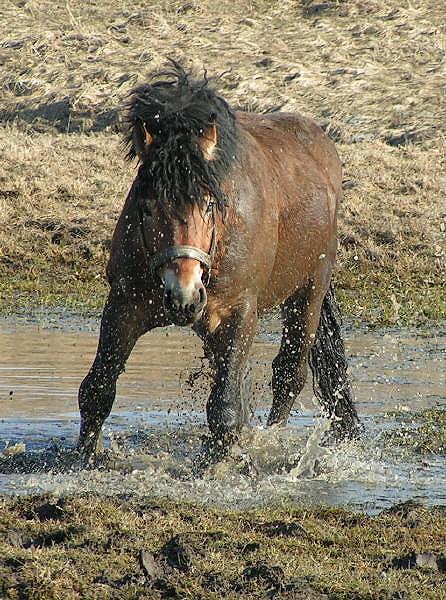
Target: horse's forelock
[{"x": 176, "y": 111}]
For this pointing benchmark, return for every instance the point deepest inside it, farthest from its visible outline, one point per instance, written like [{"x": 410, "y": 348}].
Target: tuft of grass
[{"x": 196, "y": 552}]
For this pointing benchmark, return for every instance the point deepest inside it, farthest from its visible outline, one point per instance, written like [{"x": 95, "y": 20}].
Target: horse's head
[
  {"x": 174, "y": 123},
  {"x": 181, "y": 241}
]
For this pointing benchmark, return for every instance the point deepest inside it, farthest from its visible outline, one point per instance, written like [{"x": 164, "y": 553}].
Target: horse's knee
[{"x": 96, "y": 396}]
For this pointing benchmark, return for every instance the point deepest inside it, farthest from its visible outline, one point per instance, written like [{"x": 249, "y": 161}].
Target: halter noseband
[{"x": 172, "y": 252}]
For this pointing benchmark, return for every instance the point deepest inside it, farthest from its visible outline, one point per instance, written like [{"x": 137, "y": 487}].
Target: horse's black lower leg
[
  {"x": 122, "y": 323},
  {"x": 290, "y": 365},
  {"x": 329, "y": 366},
  {"x": 230, "y": 346}
]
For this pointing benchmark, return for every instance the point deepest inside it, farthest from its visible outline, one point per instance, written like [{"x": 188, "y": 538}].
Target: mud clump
[
  {"x": 420, "y": 560},
  {"x": 271, "y": 576},
  {"x": 283, "y": 529},
  {"x": 49, "y": 511},
  {"x": 148, "y": 564},
  {"x": 272, "y": 580},
  {"x": 178, "y": 554}
]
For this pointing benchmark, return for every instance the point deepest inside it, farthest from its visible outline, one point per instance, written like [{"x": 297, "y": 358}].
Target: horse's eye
[{"x": 210, "y": 206}]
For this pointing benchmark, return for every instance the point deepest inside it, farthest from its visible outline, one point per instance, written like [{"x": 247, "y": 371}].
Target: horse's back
[{"x": 303, "y": 134}]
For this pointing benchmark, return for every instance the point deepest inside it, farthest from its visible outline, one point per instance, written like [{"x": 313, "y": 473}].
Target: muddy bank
[{"x": 163, "y": 550}]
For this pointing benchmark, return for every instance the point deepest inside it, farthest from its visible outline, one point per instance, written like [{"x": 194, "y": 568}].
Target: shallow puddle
[{"x": 157, "y": 425}]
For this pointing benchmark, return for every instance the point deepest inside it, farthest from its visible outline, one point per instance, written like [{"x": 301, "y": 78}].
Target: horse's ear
[
  {"x": 142, "y": 138},
  {"x": 208, "y": 142}
]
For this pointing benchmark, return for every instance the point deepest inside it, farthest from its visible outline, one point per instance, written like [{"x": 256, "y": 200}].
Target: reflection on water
[{"x": 157, "y": 424}]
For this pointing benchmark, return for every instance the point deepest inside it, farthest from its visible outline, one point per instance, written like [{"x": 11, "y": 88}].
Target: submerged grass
[
  {"x": 90, "y": 547},
  {"x": 371, "y": 73},
  {"x": 422, "y": 432}
]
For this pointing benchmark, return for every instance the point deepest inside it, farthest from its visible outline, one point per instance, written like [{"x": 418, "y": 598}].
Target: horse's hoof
[
  {"x": 82, "y": 458},
  {"x": 89, "y": 448},
  {"x": 213, "y": 451},
  {"x": 247, "y": 467}
]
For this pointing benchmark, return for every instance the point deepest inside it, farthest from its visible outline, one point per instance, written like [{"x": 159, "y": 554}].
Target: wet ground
[{"x": 157, "y": 425}]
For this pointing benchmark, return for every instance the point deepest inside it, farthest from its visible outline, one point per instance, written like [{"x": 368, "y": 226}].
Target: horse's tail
[{"x": 329, "y": 366}]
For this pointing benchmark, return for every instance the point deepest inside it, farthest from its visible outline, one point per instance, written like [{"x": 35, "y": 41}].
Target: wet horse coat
[{"x": 230, "y": 215}]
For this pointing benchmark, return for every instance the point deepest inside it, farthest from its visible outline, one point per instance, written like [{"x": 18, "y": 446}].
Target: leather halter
[{"x": 172, "y": 252}]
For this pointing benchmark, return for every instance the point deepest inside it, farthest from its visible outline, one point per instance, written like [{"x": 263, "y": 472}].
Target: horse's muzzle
[{"x": 184, "y": 306}]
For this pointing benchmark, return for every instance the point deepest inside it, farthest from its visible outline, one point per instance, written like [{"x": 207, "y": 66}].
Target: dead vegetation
[
  {"x": 372, "y": 73},
  {"x": 165, "y": 550}
]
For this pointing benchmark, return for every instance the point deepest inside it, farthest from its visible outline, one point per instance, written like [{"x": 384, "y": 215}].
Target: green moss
[
  {"x": 62, "y": 291},
  {"x": 383, "y": 303}
]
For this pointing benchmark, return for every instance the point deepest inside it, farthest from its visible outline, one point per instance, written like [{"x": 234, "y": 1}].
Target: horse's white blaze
[{"x": 174, "y": 278}]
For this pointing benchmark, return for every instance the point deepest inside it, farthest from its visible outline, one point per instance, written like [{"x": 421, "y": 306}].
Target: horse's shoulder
[
  {"x": 296, "y": 136},
  {"x": 272, "y": 128}
]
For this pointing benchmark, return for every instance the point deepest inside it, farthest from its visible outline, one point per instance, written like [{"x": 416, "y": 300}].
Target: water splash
[
  {"x": 154, "y": 439},
  {"x": 313, "y": 453},
  {"x": 268, "y": 465}
]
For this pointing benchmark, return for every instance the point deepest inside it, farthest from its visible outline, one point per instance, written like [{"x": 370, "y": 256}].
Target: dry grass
[
  {"x": 304, "y": 554},
  {"x": 372, "y": 73},
  {"x": 370, "y": 68}
]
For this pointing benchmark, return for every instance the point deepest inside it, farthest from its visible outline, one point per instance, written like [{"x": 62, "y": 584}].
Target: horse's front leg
[
  {"x": 124, "y": 320},
  {"x": 230, "y": 345}
]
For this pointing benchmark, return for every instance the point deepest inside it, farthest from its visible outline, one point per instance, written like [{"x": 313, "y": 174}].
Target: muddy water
[{"x": 157, "y": 425}]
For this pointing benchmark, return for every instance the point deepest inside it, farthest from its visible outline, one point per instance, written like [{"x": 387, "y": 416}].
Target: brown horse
[{"x": 230, "y": 215}]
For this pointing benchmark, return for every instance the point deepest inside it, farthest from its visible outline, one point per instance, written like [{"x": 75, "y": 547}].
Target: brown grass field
[{"x": 372, "y": 73}]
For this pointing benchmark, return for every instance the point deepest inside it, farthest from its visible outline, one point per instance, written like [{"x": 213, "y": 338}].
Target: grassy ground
[
  {"x": 372, "y": 73},
  {"x": 87, "y": 547}
]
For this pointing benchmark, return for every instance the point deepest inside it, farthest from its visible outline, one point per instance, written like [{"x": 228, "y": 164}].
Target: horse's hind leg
[
  {"x": 122, "y": 324},
  {"x": 311, "y": 332},
  {"x": 300, "y": 316}
]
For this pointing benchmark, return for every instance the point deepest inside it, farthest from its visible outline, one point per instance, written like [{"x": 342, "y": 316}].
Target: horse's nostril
[{"x": 184, "y": 304}]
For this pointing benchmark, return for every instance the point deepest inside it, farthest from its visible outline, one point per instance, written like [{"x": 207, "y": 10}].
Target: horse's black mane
[{"x": 177, "y": 111}]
